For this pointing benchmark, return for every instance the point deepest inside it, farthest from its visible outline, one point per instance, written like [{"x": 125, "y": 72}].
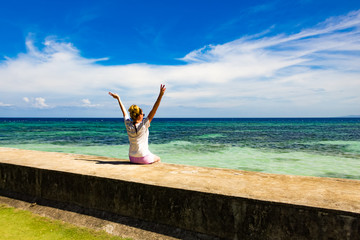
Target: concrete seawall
[{"x": 224, "y": 203}]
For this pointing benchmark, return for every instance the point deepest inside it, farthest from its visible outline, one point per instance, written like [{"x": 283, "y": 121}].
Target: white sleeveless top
[{"x": 138, "y": 137}]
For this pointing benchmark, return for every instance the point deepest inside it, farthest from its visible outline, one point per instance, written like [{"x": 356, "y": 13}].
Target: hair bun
[{"x": 134, "y": 111}]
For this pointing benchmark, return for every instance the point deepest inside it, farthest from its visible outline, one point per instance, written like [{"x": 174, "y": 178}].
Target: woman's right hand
[{"x": 114, "y": 95}]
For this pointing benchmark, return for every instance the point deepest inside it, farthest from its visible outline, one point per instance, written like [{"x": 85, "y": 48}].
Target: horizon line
[{"x": 350, "y": 116}]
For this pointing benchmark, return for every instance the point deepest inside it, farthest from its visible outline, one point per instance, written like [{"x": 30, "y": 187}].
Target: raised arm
[
  {"x": 157, "y": 103},
  {"x": 114, "y": 95}
]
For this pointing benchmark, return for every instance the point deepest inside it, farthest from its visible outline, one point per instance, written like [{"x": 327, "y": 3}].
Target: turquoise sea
[{"x": 324, "y": 147}]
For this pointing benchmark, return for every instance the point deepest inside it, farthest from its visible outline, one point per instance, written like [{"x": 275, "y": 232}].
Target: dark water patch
[
  {"x": 200, "y": 148},
  {"x": 251, "y": 169},
  {"x": 340, "y": 175},
  {"x": 287, "y": 159}
]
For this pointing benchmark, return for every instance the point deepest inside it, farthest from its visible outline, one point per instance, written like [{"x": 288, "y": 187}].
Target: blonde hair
[{"x": 135, "y": 112}]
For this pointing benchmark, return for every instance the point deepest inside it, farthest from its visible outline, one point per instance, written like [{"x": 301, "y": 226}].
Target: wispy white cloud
[
  {"x": 5, "y": 104},
  {"x": 37, "y": 102},
  {"x": 87, "y": 103},
  {"x": 299, "y": 73},
  {"x": 40, "y": 103}
]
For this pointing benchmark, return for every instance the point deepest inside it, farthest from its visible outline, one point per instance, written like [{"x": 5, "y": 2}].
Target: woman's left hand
[{"x": 162, "y": 89}]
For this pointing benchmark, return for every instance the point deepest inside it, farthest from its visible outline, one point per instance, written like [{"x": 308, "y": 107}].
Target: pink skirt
[{"x": 142, "y": 160}]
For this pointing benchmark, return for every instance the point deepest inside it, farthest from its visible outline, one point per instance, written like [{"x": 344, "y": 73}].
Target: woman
[{"x": 137, "y": 129}]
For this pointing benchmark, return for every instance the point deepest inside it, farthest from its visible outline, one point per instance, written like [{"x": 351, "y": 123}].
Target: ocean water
[{"x": 323, "y": 147}]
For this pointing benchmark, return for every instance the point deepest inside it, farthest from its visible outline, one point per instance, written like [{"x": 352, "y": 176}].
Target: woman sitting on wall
[{"x": 138, "y": 130}]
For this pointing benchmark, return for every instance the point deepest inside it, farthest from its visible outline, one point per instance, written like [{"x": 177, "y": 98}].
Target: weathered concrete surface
[{"x": 221, "y": 202}]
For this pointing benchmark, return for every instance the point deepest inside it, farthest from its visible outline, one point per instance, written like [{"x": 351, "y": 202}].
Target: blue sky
[{"x": 217, "y": 58}]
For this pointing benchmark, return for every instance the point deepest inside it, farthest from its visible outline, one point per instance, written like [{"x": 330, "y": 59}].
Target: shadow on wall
[{"x": 106, "y": 162}]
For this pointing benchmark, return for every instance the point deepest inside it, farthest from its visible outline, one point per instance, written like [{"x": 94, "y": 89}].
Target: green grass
[{"x": 24, "y": 225}]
